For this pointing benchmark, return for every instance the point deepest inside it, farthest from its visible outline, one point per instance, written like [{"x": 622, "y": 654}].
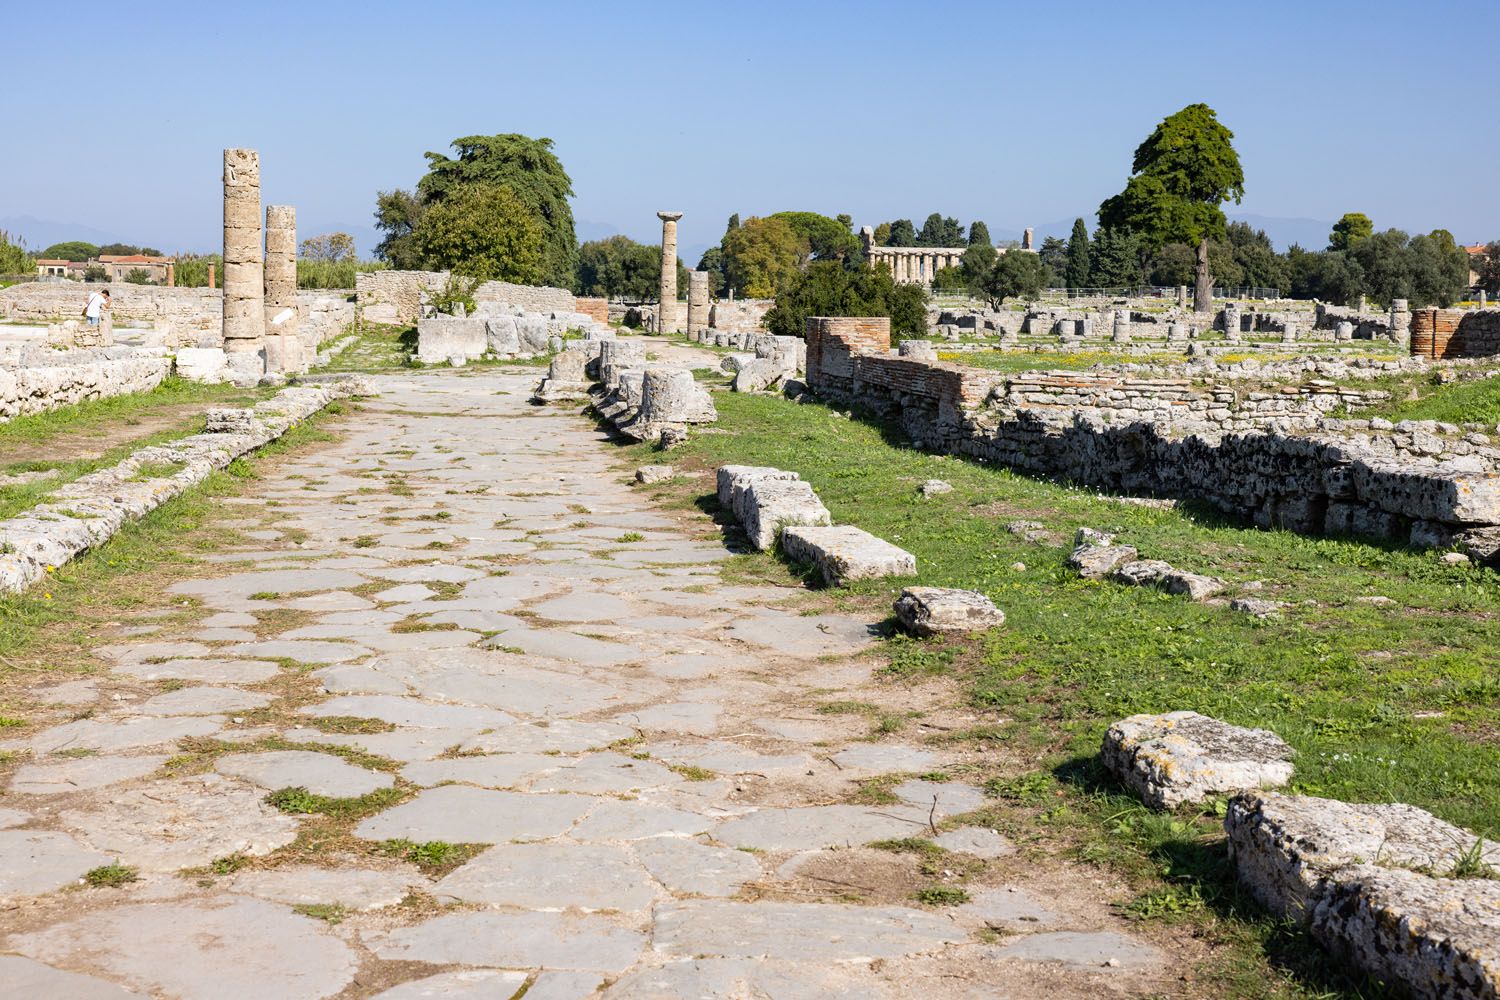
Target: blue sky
[{"x": 1016, "y": 113}]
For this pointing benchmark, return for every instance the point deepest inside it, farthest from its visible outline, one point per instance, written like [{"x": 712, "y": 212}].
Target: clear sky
[{"x": 1016, "y": 113}]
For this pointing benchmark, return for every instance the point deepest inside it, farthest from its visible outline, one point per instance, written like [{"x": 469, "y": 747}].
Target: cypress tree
[{"x": 1077, "y": 274}]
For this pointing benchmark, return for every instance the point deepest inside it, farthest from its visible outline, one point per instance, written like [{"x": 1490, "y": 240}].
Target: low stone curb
[
  {"x": 46, "y": 380},
  {"x": 92, "y": 508}
]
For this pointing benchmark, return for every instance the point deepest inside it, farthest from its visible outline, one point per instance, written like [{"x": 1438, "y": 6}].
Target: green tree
[
  {"x": 1487, "y": 267},
  {"x": 1054, "y": 253},
  {"x": 1076, "y": 272},
  {"x": 883, "y": 234},
  {"x": 734, "y": 223},
  {"x": 483, "y": 232},
  {"x": 978, "y": 261},
  {"x": 1440, "y": 269},
  {"x": 13, "y": 256},
  {"x": 1115, "y": 259},
  {"x": 619, "y": 266},
  {"x": 532, "y": 172},
  {"x": 332, "y": 247},
  {"x": 1173, "y": 264},
  {"x": 127, "y": 250},
  {"x": 74, "y": 250},
  {"x": 397, "y": 215},
  {"x": 1350, "y": 231},
  {"x": 902, "y": 234},
  {"x": 1332, "y": 276},
  {"x": 826, "y": 239},
  {"x": 138, "y": 276},
  {"x": 1253, "y": 256},
  {"x": 979, "y": 233},
  {"x": 712, "y": 262},
  {"x": 1017, "y": 274},
  {"x": 827, "y": 288},
  {"x": 762, "y": 256},
  {"x": 938, "y": 231},
  {"x": 1181, "y": 175},
  {"x": 950, "y": 279}
]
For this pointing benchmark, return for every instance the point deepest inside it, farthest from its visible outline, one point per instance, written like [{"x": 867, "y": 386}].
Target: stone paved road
[{"x": 526, "y": 656}]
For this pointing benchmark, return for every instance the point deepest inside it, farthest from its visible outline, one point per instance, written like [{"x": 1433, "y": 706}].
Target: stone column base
[{"x": 245, "y": 368}]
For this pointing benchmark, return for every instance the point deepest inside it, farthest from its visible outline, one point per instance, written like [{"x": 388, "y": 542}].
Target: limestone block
[
  {"x": 441, "y": 338},
  {"x": 200, "y": 364},
  {"x": 1288, "y": 848},
  {"x": 729, "y": 475},
  {"x": 920, "y": 349},
  {"x": 1186, "y": 757},
  {"x": 734, "y": 362},
  {"x": 846, "y": 553},
  {"x": 1438, "y": 938},
  {"x": 1141, "y": 572},
  {"x": 928, "y": 611},
  {"x": 934, "y": 487},
  {"x": 649, "y": 474},
  {"x": 533, "y": 332},
  {"x": 758, "y": 374},
  {"x": 1195, "y": 585},
  {"x": 763, "y": 506},
  {"x": 502, "y": 336},
  {"x": 1094, "y": 562}
]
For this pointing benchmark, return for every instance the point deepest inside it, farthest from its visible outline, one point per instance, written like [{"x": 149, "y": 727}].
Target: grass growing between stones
[
  {"x": 1456, "y": 403},
  {"x": 1379, "y": 671}
]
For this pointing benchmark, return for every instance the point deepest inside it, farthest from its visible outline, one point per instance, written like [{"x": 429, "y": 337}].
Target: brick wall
[
  {"x": 1455, "y": 333},
  {"x": 596, "y": 309}
]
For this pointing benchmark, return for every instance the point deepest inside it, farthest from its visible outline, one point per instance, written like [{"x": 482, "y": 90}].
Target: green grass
[
  {"x": 111, "y": 875},
  {"x": 40, "y": 433},
  {"x": 1456, "y": 403}
]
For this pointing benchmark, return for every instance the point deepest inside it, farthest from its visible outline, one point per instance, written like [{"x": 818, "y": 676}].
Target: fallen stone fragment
[
  {"x": 846, "y": 553},
  {"x": 1141, "y": 572},
  {"x": 1257, "y": 606},
  {"x": 1186, "y": 757},
  {"x": 935, "y": 487},
  {"x": 1195, "y": 585},
  {"x": 649, "y": 474},
  {"x": 1290, "y": 849},
  {"x": 1437, "y": 937},
  {"x": 929, "y": 611},
  {"x": 1094, "y": 562},
  {"x": 765, "y": 500}
]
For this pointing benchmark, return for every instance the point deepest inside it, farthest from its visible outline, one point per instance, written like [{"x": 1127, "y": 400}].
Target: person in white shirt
[{"x": 97, "y": 304}]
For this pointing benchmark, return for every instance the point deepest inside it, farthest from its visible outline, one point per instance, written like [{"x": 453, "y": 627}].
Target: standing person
[{"x": 97, "y": 305}]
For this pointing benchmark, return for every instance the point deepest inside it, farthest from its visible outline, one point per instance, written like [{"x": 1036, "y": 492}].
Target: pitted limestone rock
[
  {"x": 1186, "y": 757},
  {"x": 670, "y": 397},
  {"x": 565, "y": 379},
  {"x": 766, "y": 500},
  {"x": 1289, "y": 849},
  {"x": 1437, "y": 937},
  {"x": 846, "y": 553},
  {"x": 928, "y": 611},
  {"x": 1095, "y": 561}
]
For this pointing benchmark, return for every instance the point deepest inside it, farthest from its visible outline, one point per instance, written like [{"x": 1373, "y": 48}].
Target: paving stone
[
  {"x": 224, "y": 635},
  {"x": 502, "y": 770},
  {"x": 240, "y": 949},
  {"x": 428, "y": 573},
  {"x": 564, "y": 645},
  {"x": 979, "y": 842},
  {"x": 319, "y": 773},
  {"x": 722, "y": 757},
  {"x": 354, "y": 888},
  {"x": 403, "y": 593},
  {"x": 409, "y": 712},
  {"x": 1008, "y": 908},
  {"x": 806, "y": 637},
  {"x": 13, "y": 817},
  {"x": 1179, "y": 757},
  {"x": 401, "y": 744},
  {"x": 604, "y": 773},
  {"x": 79, "y": 692},
  {"x": 463, "y": 815},
  {"x": 55, "y": 777},
  {"x": 1098, "y": 951},
  {"x": 36, "y": 861},
  {"x": 615, "y": 820},
  {"x": 678, "y": 717},
  {"x": 518, "y": 940},
  {"x": 548, "y": 736},
  {"x": 552, "y": 876},
  {"x": 110, "y": 735},
  {"x": 335, "y": 601},
  {"x": 798, "y": 730},
  {"x": 887, "y": 757},
  {"x": 813, "y": 932},
  {"x": 950, "y": 797},
  {"x": 564, "y": 985},
  {"x": 584, "y": 607},
  {"x": 284, "y": 581},
  {"x": 844, "y": 554},
  {"x": 140, "y": 652},
  {"x": 24, "y": 977},
  {"x": 182, "y": 823},
  {"x": 467, "y": 984},
  {"x": 358, "y": 678},
  {"x": 812, "y": 828},
  {"x": 690, "y": 867},
  {"x": 303, "y": 650},
  {"x": 202, "y": 701},
  {"x": 206, "y": 671}
]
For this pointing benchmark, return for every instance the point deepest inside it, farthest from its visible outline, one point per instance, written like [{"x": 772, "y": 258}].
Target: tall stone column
[
  {"x": 697, "y": 313},
  {"x": 667, "y": 311},
  {"x": 283, "y": 342},
  {"x": 244, "y": 272}
]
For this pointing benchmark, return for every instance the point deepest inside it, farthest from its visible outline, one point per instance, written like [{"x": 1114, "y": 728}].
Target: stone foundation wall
[
  {"x": 35, "y": 379},
  {"x": 740, "y": 316},
  {"x": 396, "y": 296},
  {"x": 1405, "y": 482},
  {"x": 1455, "y": 333}
]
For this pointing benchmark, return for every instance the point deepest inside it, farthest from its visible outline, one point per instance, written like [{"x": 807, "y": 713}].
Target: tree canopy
[
  {"x": 762, "y": 256},
  {"x": 619, "y": 266},
  {"x": 902, "y": 234},
  {"x": 827, "y": 288},
  {"x": 332, "y": 247},
  {"x": 73, "y": 250},
  {"x": 526, "y": 167},
  {"x": 940, "y": 231},
  {"x": 128, "y": 250},
  {"x": 483, "y": 232},
  {"x": 979, "y": 233},
  {"x": 826, "y": 239},
  {"x": 1054, "y": 253},
  {"x": 1350, "y": 231},
  {"x": 1017, "y": 274},
  {"x": 1075, "y": 273}
]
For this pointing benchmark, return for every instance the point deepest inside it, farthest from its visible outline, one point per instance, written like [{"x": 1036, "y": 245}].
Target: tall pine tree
[{"x": 1076, "y": 274}]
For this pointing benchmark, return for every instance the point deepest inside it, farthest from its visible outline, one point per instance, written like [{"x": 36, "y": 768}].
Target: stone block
[
  {"x": 1195, "y": 585},
  {"x": 1141, "y": 572},
  {"x": 846, "y": 553},
  {"x": 1094, "y": 562},
  {"x": 734, "y": 362},
  {"x": 1182, "y": 757},
  {"x": 729, "y": 475},
  {"x": 200, "y": 364},
  {"x": 649, "y": 474},
  {"x": 761, "y": 373},
  {"x": 441, "y": 338},
  {"x": 764, "y": 506},
  {"x": 928, "y": 611}
]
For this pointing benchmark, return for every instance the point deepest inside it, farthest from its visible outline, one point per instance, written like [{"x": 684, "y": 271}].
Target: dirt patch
[{"x": 85, "y": 443}]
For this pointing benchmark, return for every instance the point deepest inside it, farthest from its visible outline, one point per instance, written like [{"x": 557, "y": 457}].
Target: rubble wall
[
  {"x": 35, "y": 379},
  {"x": 396, "y": 296}
]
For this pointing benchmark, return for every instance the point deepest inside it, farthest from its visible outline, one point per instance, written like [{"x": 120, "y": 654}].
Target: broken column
[
  {"x": 244, "y": 272},
  {"x": 1232, "y": 322},
  {"x": 283, "y": 343},
  {"x": 697, "y": 313},
  {"x": 1400, "y": 332},
  {"x": 1122, "y": 326},
  {"x": 667, "y": 310}
]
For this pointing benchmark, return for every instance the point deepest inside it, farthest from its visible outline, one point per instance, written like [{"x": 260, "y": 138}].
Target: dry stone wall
[
  {"x": 35, "y": 379},
  {"x": 1159, "y": 437},
  {"x": 397, "y": 296}
]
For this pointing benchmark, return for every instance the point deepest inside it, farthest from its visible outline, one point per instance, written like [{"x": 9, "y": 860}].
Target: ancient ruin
[{"x": 244, "y": 328}]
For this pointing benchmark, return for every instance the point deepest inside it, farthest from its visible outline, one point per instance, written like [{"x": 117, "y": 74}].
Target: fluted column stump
[
  {"x": 244, "y": 271},
  {"x": 667, "y": 311},
  {"x": 697, "y": 311}
]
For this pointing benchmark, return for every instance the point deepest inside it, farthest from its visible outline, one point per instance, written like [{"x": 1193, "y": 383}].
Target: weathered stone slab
[
  {"x": 555, "y": 735},
  {"x": 242, "y": 949},
  {"x": 501, "y": 770},
  {"x": 109, "y": 735},
  {"x": 37, "y": 861},
  {"x": 354, "y": 888},
  {"x": 410, "y": 712},
  {"x": 1008, "y": 908},
  {"x": 690, "y": 867},
  {"x": 813, "y": 932},
  {"x": 203, "y": 701},
  {"x": 57, "y": 777},
  {"x": 766, "y": 500},
  {"x": 1182, "y": 757},
  {"x": 319, "y": 773},
  {"x": 24, "y": 977},
  {"x": 845, "y": 553},
  {"x": 1098, "y": 951},
  {"x": 463, "y": 815},
  {"x": 979, "y": 842},
  {"x": 615, "y": 820},
  {"x": 929, "y": 611},
  {"x": 1094, "y": 562},
  {"x": 467, "y": 984},
  {"x": 886, "y": 757},
  {"x": 519, "y": 940},
  {"x": 552, "y": 876},
  {"x": 813, "y": 828}
]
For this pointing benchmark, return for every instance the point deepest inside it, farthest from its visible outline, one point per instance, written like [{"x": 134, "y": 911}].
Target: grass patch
[
  {"x": 434, "y": 857},
  {"x": 299, "y": 801},
  {"x": 332, "y": 913},
  {"x": 112, "y": 876},
  {"x": 941, "y": 895}
]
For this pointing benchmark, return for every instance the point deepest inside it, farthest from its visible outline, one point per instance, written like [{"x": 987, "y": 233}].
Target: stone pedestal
[
  {"x": 281, "y": 311},
  {"x": 668, "y": 288},
  {"x": 1177, "y": 333},
  {"x": 1400, "y": 322},
  {"x": 1232, "y": 322},
  {"x": 244, "y": 273},
  {"x": 1289, "y": 333},
  {"x": 697, "y": 317},
  {"x": 1344, "y": 332},
  {"x": 1122, "y": 327}
]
